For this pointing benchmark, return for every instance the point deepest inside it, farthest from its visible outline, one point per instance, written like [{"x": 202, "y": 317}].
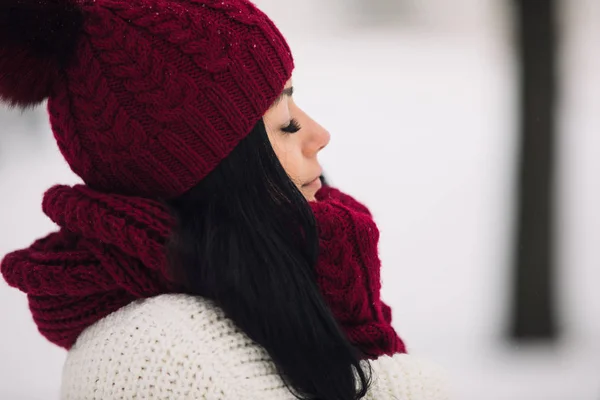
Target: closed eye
[{"x": 293, "y": 127}]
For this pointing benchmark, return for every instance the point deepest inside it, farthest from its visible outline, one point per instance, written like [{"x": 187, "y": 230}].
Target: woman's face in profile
[{"x": 297, "y": 140}]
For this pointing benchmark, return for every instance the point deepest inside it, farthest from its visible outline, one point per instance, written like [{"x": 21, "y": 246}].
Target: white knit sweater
[{"x": 183, "y": 347}]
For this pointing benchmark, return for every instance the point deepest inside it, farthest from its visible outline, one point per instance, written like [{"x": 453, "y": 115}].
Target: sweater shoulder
[
  {"x": 184, "y": 347},
  {"x": 169, "y": 346},
  {"x": 170, "y": 317}
]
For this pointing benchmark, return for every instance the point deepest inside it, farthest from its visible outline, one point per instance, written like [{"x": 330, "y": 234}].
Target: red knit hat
[{"x": 145, "y": 97}]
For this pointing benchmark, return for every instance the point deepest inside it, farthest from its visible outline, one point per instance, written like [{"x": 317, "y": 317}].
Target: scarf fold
[
  {"x": 107, "y": 253},
  {"x": 110, "y": 251},
  {"x": 348, "y": 272}
]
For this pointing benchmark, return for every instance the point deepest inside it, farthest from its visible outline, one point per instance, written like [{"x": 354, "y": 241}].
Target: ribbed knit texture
[
  {"x": 160, "y": 91},
  {"x": 178, "y": 347},
  {"x": 111, "y": 250}
]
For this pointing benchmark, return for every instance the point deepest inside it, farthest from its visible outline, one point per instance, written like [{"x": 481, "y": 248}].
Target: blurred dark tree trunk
[{"x": 533, "y": 309}]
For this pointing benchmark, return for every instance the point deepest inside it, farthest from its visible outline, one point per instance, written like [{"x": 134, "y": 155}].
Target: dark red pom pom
[{"x": 37, "y": 40}]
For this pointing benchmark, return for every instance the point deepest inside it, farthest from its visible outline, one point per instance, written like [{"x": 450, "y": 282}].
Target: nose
[
  {"x": 317, "y": 137},
  {"x": 323, "y": 136}
]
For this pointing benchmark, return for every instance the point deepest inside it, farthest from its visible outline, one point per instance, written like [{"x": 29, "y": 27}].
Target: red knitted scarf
[
  {"x": 348, "y": 271},
  {"x": 110, "y": 252}
]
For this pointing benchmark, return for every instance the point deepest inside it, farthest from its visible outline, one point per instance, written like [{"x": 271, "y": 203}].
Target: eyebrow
[{"x": 287, "y": 92}]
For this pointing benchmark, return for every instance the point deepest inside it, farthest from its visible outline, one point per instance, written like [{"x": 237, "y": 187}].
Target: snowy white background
[{"x": 422, "y": 116}]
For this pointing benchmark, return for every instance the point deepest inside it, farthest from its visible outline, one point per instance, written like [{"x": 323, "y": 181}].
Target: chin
[{"x": 309, "y": 196}]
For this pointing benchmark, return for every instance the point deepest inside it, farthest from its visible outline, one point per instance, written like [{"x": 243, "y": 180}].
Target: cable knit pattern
[
  {"x": 111, "y": 250},
  {"x": 158, "y": 92},
  {"x": 176, "y": 347},
  {"x": 348, "y": 272},
  {"x": 154, "y": 95}
]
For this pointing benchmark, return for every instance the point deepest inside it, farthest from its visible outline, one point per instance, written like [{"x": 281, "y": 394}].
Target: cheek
[{"x": 289, "y": 153}]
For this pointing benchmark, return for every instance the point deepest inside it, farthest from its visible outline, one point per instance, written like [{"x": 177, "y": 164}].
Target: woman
[{"x": 202, "y": 258}]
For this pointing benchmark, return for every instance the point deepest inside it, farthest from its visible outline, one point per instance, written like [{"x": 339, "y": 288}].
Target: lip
[{"x": 314, "y": 184}]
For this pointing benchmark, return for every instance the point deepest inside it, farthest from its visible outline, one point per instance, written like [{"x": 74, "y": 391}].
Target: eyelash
[{"x": 293, "y": 127}]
